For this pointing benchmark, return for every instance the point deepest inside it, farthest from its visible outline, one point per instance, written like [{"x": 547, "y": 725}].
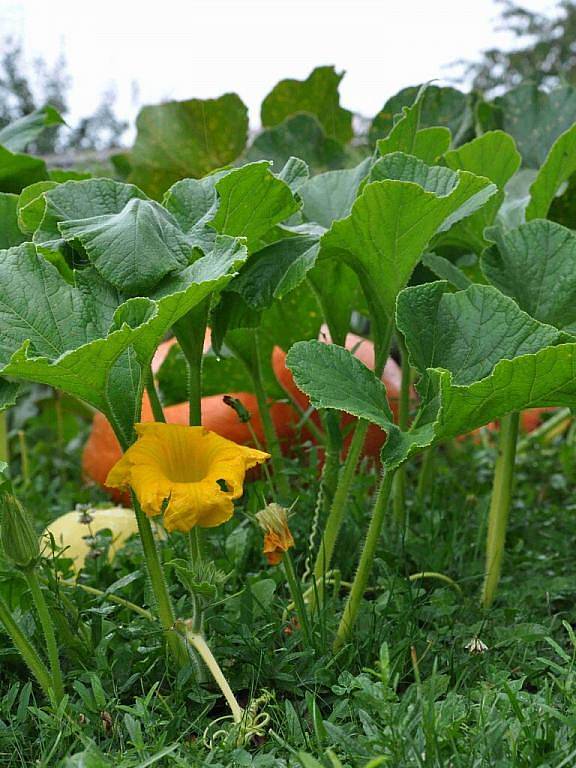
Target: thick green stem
[
  {"x": 157, "y": 410},
  {"x": 4, "y": 445},
  {"x": 26, "y": 650},
  {"x": 48, "y": 629},
  {"x": 190, "y": 332},
  {"x": 336, "y": 514},
  {"x": 399, "y": 491},
  {"x": 500, "y": 505},
  {"x": 198, "y": 642},
  {"x": 382, "y": 339},
  {"x": 298, "y": 599},
  {"x": 366, "y": 560},
  {"x": 272, "y": 442},
  {"x": 159, "y": 586}
]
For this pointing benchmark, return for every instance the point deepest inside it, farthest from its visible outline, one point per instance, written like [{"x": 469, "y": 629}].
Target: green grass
[{"x": 406, "y": 690}]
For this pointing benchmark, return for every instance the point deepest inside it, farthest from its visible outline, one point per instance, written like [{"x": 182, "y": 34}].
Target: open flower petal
[{"x": 189, "y": 474}]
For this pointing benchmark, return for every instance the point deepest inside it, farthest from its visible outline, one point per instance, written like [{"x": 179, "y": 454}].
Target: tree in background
[
  {"x": 546, "y": 54},
  {"x": 21, "y": 93}
]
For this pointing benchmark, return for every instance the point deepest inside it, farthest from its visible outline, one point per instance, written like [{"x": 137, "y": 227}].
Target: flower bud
[
  {"x": 19, "y": 539},
  {"x": 277, "y": 537}
]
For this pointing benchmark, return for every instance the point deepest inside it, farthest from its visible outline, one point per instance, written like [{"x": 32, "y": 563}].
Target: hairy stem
[
  {"x": 48, "y": 630},
  {"x": 500, "y": 505},
  {"x": 366, "y": 560},
  {"x": 336, "y": 514},
  {"x": 272, "y": 442},
  {"x": 190, "y": 332},
  {"x": 26, "y": 650},
  {"x": 159, "y": 586},
  {"x": 157, "y": 410},
  {"x": 298, "y": 599}
]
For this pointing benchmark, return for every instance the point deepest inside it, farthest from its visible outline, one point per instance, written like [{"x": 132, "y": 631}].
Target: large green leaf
[
  {"x": 494, "y": 156},
  {"x": 300, "y": 136},
  {"x": 479, "y": 355},
  {"x": 19, "y": 171},
  {"x": 334, "y": 378},
  {"x": 48, "y": 329},
  {"x": 186, "y": 138},
  {"x": 446, "y": 107},
  {"x": 251, "y": 201},
  {"x": 535, "y": 264},
  {"x": 17, "y": 135},
  {"x": 535, "y": 119},
  {"x": 76, "y": 200},
  {"x": 318, "y": 95},
  {"x": 390, "y": 226},
  {"x": 330, "y": 196},
  {"x": 133, "y": 249},
  {"x": 10, "y": 233},
  {"x": 557, "y": 169},
  {"x": 85, "y": 339}
]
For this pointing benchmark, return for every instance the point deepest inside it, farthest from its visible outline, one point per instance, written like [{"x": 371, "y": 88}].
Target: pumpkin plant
[
  {"x": 390, "y": 225},
  {"x": 479, "y": 358},
  {"x": 533, "y": 263}
]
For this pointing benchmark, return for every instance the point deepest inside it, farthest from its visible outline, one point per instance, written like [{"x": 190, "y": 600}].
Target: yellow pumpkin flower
[
  {"x": 277, "y": 536},
  {"x": 189, "y": 474}
]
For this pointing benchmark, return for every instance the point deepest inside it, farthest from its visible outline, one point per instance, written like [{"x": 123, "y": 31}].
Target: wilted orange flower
[
  {"x": 277, "y": 536},
  {"x": 189, "y": 474}
]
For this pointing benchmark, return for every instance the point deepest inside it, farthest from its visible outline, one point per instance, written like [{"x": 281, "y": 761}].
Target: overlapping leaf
[
  {"x": 480, "y": 357},
  {"x": 77, "y": 200},
  {"x": 10, "y": 233},
  {"x": 493, "y": 156},
  {"x": 535, "y": 264},
  {"x": 18, "y": 171},
  {"x": 133, "y": 249},
  {"x": 534, "y": 118},
  {"x": 252, "y": 201},
  {"x": 317, "y": 95},
  {"x": 445, "y": 107},
  {"x": 391, "y": 224},
  {"x": 183, "y": 139},
  {"x": 407, "y": 136},
  {"x": 73, "y": 337},
  {"x": 557, "y": 169},
  {"x": 299, "y": 136},
  {"x": 329, "y": 196}
]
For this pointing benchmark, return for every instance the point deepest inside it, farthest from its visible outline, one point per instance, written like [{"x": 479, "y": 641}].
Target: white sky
[{"x": 202, "y": 48}]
